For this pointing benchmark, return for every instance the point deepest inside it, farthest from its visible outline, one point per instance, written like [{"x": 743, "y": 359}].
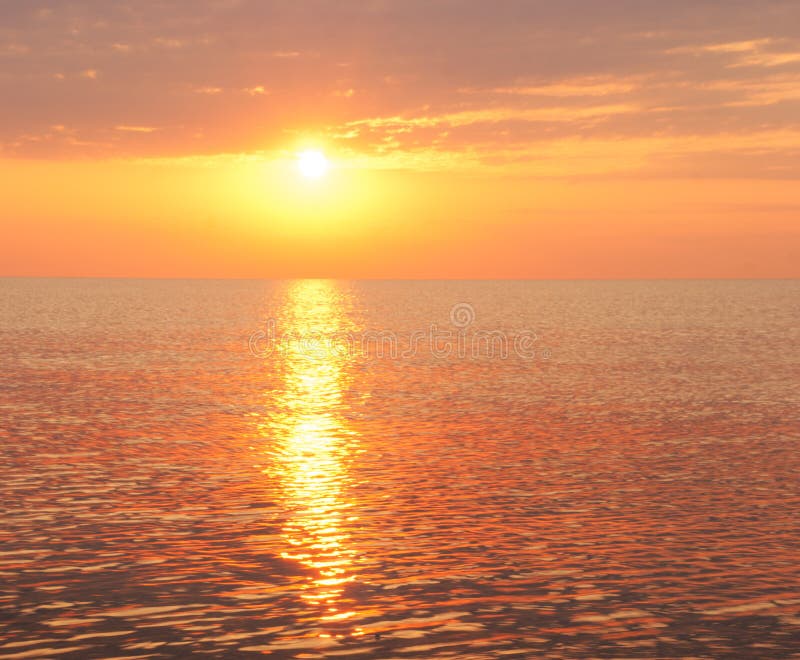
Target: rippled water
[{"x": 626, "y": 486}]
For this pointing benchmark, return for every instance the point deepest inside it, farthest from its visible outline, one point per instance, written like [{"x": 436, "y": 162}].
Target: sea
[{"x": 399, "y": 469}]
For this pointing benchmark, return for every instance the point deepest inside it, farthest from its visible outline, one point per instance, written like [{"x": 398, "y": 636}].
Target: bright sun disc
[{"x": 312, "y": 164}]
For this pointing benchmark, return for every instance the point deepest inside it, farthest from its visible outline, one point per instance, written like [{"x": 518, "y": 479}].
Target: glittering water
[{"x": 627, "y": 488}]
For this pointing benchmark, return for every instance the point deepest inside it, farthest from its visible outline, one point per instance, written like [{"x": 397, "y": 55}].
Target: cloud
[
  {"x": 760, "y": 91},
  {"x": 257, "y": 90},
  {"x": 398, "y": 124},
  {"x": 171, "y": 42},
  {"x": 135, "y": 129},
  {"x": 766, "y": 52},
  {"x": 736, "y": 46},
  {"x": 454, "y": 82},
  {"x": 769, "y": 59},
  {"x": 606, "y": 86}
]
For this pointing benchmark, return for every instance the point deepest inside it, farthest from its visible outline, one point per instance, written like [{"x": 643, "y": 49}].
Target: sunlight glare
[{"x": 312, "y": 164}]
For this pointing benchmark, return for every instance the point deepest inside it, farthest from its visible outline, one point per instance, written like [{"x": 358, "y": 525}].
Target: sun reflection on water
[{"x": 311, "y": 447}]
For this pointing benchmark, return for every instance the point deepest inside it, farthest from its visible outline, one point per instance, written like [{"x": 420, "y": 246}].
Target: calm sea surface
[{"x": 320, "y": 469}]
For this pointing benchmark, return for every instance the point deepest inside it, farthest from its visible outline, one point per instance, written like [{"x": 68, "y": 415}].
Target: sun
[{"x": 312, "y": 164}]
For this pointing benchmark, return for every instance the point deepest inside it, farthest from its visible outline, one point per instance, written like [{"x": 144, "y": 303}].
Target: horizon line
[{"x": 399, "y": 279}]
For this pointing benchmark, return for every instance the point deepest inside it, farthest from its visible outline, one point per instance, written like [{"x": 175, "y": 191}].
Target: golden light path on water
[{"x": 311, "y": 446}]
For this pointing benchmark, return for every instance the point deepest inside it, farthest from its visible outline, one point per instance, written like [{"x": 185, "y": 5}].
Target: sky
[{"x": 506, "y": 139}]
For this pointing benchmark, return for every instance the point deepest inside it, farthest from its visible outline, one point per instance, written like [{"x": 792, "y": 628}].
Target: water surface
[{"x": 625, "y": 488}]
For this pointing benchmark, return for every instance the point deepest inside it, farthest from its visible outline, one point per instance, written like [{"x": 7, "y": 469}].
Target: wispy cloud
[
  {"x": 590, "y": 87},
  {"x": 135, "y": 129},
  {"x": 495, "y": 116},
  {"x": 760, "y": 91},
  {"x": 769, "y": 59},
  {"x": 765, "y": 52},
  {"x": 736, "y": 46},
  {"x": 257, "y": 90}
]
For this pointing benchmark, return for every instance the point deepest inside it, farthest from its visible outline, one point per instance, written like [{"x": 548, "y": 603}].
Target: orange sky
[{"x": 467, "y": 139}]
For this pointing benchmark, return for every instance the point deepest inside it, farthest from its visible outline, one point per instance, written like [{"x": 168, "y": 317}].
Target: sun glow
[{"x": 312, "y": 164}]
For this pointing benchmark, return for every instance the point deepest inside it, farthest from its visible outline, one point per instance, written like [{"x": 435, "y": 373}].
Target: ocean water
[{"x": 325, "y": 469}]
